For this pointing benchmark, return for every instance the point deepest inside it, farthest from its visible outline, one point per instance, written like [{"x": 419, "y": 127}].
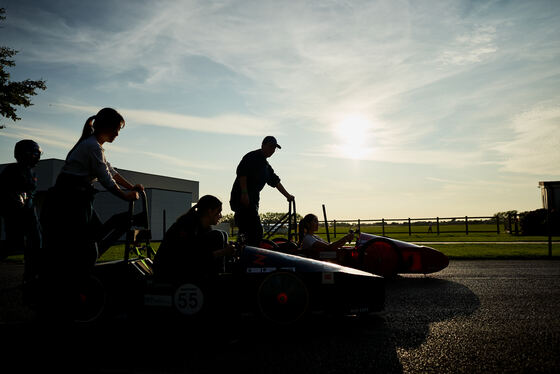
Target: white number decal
[{"x": 189, "y": 299}]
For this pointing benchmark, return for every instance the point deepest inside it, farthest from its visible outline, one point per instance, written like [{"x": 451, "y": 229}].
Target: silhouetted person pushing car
[
  {"x": 253, "y": 172},
  {"x": 72, "y": 230}
]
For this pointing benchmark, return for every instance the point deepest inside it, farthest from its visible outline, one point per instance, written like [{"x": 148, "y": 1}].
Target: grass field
[
  {"x": 497, "y": 251},
  {"x": 467, "y": 247},
  {"x": 478, "y": 232}
]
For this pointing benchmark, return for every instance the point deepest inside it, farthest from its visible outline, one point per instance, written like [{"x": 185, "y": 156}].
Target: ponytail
[{"x": 87, "y": 131}]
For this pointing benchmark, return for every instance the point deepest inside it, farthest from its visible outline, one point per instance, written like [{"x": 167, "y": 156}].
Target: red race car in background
[{"x": 375, "y": 254}]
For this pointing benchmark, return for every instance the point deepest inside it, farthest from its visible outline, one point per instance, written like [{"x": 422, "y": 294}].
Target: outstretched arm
[
  {"x": 320, "y": 246},
  {"x": 130, "y": 195},
  {"x": 283, "y": 191},
  {"x": 126, "y": 184}
]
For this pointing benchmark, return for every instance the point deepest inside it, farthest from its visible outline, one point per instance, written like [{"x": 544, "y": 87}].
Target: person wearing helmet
[{"x": 18, "y": 184}]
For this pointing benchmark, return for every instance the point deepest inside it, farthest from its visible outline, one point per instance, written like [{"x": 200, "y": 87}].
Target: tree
[
  {"x": 534, "y": 222},
  {"x": 14, "y": 93},
  {"x": 273, "y": 217},
  {"x": 503, "y": 216},
  {"x": 268, "y": 218},
  {"x": 228, "y": 218}
]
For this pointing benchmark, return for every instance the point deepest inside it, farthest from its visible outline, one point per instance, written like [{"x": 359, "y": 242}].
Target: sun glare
[{"x": 353, "y": 135}]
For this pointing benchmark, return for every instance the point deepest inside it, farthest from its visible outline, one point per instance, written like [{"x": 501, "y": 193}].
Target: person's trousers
[{"x": 249, "y": 224}]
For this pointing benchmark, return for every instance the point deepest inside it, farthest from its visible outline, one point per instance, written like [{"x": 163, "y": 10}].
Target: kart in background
[{"x": 376, "y": 254}]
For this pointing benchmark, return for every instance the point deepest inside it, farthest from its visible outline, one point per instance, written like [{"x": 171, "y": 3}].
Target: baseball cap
[{"x": 271, "y": 139}]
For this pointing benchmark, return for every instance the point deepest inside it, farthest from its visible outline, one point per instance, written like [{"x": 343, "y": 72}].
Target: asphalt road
[{"x": 473, "y": 317}]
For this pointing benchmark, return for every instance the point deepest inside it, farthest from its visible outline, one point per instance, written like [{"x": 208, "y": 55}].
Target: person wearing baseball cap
[
  {"x": 271, "y": 140},
  {"x": 252, "y": 173}
]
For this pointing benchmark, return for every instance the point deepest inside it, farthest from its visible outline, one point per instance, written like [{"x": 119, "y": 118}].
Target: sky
[{"x": 383, "y": 109}]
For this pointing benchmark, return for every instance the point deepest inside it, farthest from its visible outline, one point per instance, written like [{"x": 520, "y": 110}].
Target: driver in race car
[
  {"x": 190, "y": 246},
  {"x": 312, "y": 245}
]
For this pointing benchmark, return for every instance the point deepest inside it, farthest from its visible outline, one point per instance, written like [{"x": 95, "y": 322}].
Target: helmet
[{"x": 27, "y": 150}]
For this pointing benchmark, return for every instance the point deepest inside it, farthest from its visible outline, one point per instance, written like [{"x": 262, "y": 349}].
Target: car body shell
[
  {"x": 281, "y": 287},
  {"x": 377, "y": 254}
]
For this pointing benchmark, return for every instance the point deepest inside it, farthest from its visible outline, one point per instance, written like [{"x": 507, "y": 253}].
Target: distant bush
[{"x": 535, "y": 222}]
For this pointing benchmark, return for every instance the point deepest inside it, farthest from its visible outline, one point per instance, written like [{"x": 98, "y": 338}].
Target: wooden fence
[
  {"x": 403, "y": 226},
  {"x": 434, "y": 225}
]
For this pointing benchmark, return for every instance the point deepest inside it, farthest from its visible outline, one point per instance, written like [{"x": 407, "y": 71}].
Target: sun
[{"x": 353, "y": 135}]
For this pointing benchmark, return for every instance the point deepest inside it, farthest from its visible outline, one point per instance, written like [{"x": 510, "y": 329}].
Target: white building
[{"x": 167, "y": 197}]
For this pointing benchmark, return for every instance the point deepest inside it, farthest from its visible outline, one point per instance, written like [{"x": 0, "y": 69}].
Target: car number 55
[{"x": 189, "y": 299}]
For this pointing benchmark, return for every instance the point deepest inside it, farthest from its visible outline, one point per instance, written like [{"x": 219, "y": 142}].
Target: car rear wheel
[
  {"x": 90, "y": 301},
  {"x": 283, "y": 297}
]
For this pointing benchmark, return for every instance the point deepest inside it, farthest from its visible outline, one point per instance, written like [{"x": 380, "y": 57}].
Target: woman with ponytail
[
  {"x": 312, "y": 245},
  {"x": 86, "y": 162},
  {"x": 73, "y": 234},
  {"x": 190, "y": 246}
]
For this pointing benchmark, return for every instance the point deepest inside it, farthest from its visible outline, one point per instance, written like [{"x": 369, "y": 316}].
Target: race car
[
  {"x": 282, "y": 288},
  {"x": 376, "y": 254},
  {"x": 387, "y": 257}
]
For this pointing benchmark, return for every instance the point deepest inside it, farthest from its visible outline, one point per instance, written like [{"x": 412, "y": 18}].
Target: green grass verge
[
  {"x": 116, "y": 252},
  {"x": 497, "y": 251}
]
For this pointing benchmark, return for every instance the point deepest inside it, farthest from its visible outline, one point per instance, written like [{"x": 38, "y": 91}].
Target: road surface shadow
[
  {"x": 321, "y": 343},
  {"x": 413, "y": 303}
]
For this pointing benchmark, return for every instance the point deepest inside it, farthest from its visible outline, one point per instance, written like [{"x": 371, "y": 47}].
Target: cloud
[
  {"x": 310, "y": 62},
  {"x": 42, "y": 134},
  {"x": 402, "y": 155},
  {"x": 472, "y": 47},
  {"x": 298, "y": 58},
  {"x": 49, "y": 137},
  {"x": 229, "y": 124},
  {"x": 180, "y": 162},
  {"x": 535, "y": 146}
]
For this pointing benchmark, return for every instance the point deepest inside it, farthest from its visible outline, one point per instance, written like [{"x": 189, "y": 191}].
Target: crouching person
[
  {"x": 189, "y": 257},
  {"x": 190, "y": 248}
]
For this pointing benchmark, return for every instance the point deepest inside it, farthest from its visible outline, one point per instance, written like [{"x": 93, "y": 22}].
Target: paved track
[{"x": 473, "y": 317}]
